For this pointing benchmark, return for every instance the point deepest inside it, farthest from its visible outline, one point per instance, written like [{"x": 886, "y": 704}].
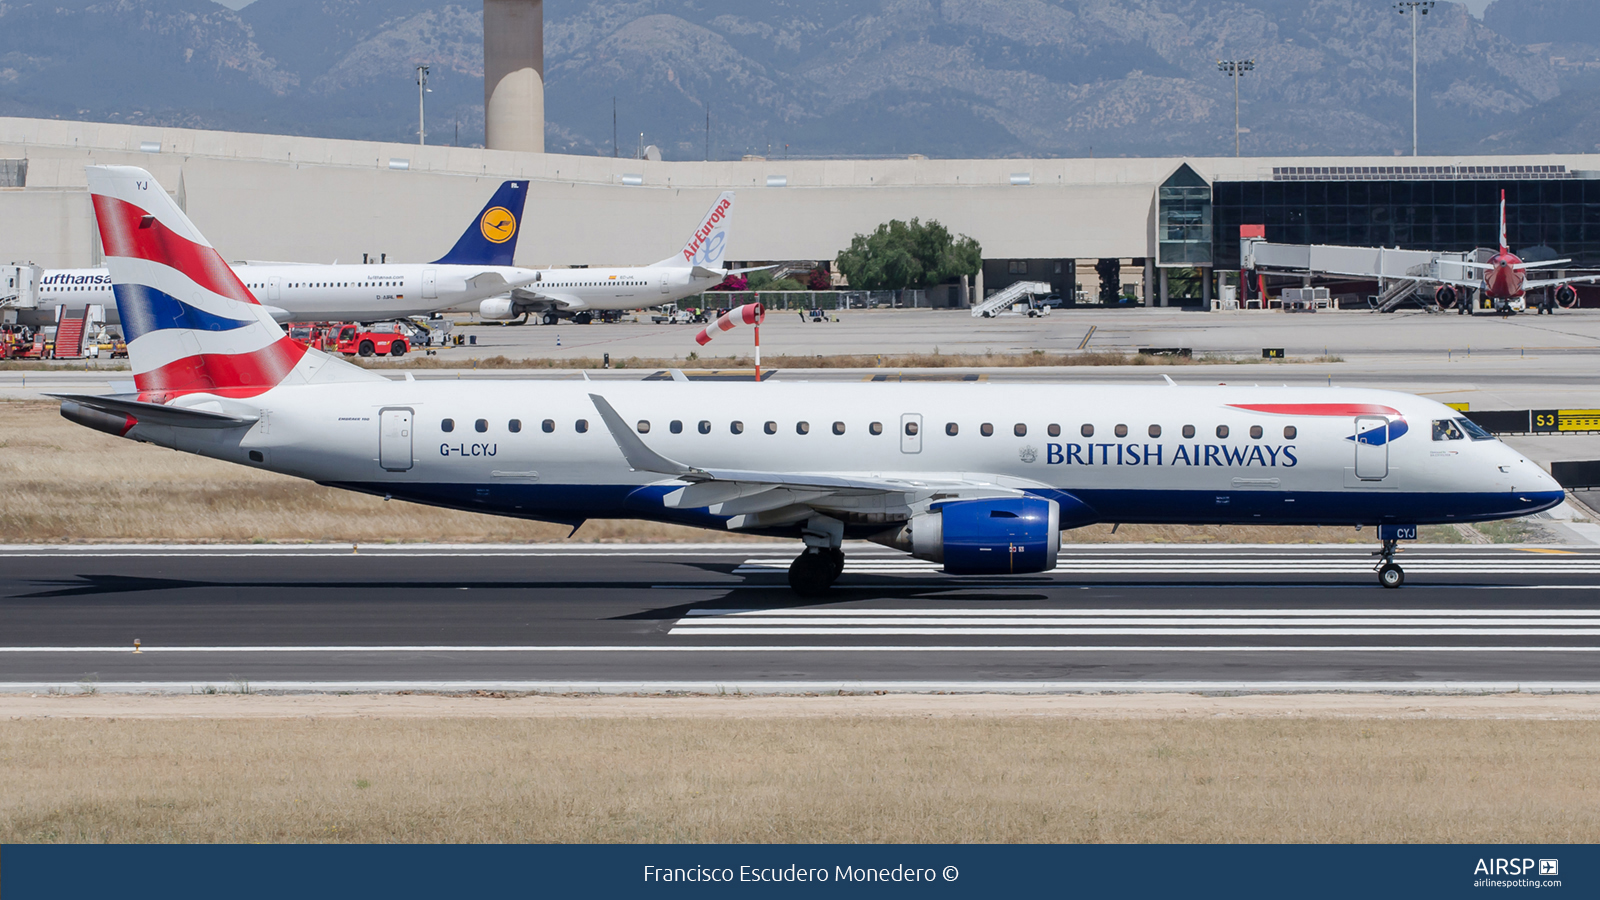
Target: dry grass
[
  {"x": 934, "y": 360},
  {"x": 63, "y": 482},
  {"x": 785, "y": 779}
]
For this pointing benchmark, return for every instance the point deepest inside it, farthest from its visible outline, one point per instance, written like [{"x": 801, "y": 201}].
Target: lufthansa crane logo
[{"x": 498, "y": 225}]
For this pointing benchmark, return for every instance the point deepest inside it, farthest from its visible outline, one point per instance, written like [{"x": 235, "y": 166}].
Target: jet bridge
[
  {"x": 1400, "y": 273},
  {"x": 19, "y": 289}
]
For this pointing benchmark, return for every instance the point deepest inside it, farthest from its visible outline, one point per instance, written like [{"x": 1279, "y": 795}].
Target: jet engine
[
  {"x": 497, "y": 308},
  {"x": 1567, "y": 296},
  {"x": 992, "y": 536},
  {"x": 1446, "y": 296}
]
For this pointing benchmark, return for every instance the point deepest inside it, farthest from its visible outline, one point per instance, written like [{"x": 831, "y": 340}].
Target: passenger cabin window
[
  {"x": 736, "y": 427},
  {"x": 986, "y": 429},
  {"x": 952, "y": 429},
  {"x": 1188, "y": 431},
  {"x": 911, "y": 428},
  {"x": 875, "y": 428},
  {"x": 514, "y": 426},
  {"x": 481, "y": 426},
  {"x": 1154, "y": 431},
  {"x": 705, "y": 426},
  {"x": 1054, "y": 430},
  {"x": 770, "y": 427},
  {"x": 1474, "y": 430},
  {"x": 581, "y": 426},
  {"x": 1447, "y": 430},
  {"x": 447, "y": 425},
  {"x": 1087, "y": 431},
  {"x": 1120, "y": 431},
  {"x": 548, "y": 425},
  {"x": 802, "y": 428},
  {"x": 1222, "y": 431},
  {"x": 643, "y": 426},
  {"x": 1020, "y": 430},
  {"x": 838, "y": 428},
  {"x": 675, "y": 426},
  {"x": 1255, "y": 432}
]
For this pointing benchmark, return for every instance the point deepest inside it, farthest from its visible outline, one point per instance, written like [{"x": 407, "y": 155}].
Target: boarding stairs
[
  {"x": 69, "y": 334},
  {"x": 1399, "y": 291},
  {"x": 1002, "y": 300}
]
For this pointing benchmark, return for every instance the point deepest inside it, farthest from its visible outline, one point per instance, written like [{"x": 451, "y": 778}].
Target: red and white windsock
[{"x": 748, "y": 314}]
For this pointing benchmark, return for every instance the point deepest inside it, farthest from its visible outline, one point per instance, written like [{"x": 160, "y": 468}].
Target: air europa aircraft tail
[
  {"x": 1504, "y": 246},
  {"x": 706, "y": 245},
  {"x": 191, "y": 325},
  {"x": 491, "y": 239}
]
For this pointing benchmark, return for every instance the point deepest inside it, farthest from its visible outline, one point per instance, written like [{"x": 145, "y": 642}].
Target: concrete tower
[{"x": 513, "y": 75}]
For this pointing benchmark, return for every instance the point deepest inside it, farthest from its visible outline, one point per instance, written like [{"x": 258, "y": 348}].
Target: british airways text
[{"x": 1116, "y": 454}]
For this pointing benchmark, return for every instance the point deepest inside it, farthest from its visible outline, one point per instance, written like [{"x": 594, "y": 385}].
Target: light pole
[
  {"x": 1414, "y": 7},
  {"x": 1235, "y": 69},
  {"x": 422, "y": 88}
]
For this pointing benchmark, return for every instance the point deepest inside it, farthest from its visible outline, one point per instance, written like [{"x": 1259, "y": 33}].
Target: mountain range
[{"x": 945, "y": 78}]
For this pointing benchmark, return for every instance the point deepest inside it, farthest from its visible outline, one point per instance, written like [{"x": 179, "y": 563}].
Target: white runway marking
[{"x": 819, "y": 648}]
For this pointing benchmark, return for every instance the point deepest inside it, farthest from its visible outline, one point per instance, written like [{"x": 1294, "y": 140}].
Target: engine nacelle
[
  {"x": 498, "y": 308},
  {"x": 1567, "y": 296},
  {"x": 993, "y": 536},
  {"x": 1446, "y": 296}
]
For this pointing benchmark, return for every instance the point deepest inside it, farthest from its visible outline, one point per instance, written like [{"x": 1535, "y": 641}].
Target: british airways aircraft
[
  {"x": 980, "y": 477},
  {"x": 478, "y": 266}
]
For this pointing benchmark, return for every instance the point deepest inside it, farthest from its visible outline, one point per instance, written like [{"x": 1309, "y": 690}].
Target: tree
[
  {"x": 819, "y": 281},
  {"x": 762, "y": 280},
  {"x": 732, "y": 283},
  {"x": 1110, "y": 272},
  {"x": 901, "y": 255}
]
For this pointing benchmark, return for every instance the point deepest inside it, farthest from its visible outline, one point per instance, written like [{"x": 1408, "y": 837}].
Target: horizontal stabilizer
[{"x": 156, "y": 413}]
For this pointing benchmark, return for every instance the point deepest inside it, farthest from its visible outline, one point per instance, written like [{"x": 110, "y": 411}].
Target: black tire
[
  {"x": 1391, "y": 575},
  {"x": 582, "y": 319},
  {"x": 811, "y": 574},
  {"x": 550, "y": 318},
  {"x": 398, "y": 348},
  {"x": 365, "y": 349},
  {"x": 835, "y": 558}
]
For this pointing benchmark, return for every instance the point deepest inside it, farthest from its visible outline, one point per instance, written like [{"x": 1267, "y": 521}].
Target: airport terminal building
[{"x": 274, "y": 197}]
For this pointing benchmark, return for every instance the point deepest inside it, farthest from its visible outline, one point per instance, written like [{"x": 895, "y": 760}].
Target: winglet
[
  {"x": 1170, "y": 382},
  {"x": 640, "y": 457},
  {"x": 677, "y": 375}
]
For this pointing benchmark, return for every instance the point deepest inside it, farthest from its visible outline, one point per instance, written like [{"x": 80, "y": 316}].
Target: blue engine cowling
[{"x": 997, "y": 536}]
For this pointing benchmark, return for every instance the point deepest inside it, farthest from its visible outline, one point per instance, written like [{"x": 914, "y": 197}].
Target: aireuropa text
[{"x": 793, "y": 873}]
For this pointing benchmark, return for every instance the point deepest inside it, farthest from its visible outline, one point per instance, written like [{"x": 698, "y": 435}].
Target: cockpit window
[
  {"x": 1446, "y": 430},
  {"x": 1474, "y": 430}
]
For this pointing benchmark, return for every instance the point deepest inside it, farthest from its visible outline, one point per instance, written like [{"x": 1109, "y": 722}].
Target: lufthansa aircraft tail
[
  {"x": 191, "y": 325},
  {"x": 706, "y": 245},
  {"x": 491, "y": 239}
]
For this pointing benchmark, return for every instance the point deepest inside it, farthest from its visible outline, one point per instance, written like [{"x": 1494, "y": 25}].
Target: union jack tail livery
[{"x": 191, "y": 325}]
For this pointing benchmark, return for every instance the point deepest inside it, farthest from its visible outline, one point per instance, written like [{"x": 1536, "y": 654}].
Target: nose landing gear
[{"x": 1390, "y": 575}]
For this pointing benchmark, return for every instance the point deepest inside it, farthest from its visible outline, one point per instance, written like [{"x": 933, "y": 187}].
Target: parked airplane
[
  {"x": 577, "y": 294},
  {"x": 980, "y": 477},
  {"x": 478, "y": 266}
]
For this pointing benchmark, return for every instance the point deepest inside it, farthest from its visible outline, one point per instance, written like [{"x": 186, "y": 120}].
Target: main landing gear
[
  {"x": 818, "y": 566},
  {"x": 1390, "y": 575}
]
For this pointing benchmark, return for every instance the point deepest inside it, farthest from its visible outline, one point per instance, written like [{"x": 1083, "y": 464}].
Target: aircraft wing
[
  {"x": 1531, "y": 285},
  {"x": 753, "y": 499},
  {"x": 1532, "y": 265},
  {"x": 157, "y": 413},
  {"x": 527, "y": 295}
]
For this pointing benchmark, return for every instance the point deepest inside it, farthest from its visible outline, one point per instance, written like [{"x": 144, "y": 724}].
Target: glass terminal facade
[
  {"x": 1183, "y": 220},
  {"x": 1446, "y": 209}
]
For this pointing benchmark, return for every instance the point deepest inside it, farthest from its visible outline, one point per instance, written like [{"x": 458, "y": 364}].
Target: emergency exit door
[
  {"x": 430, "y": 284},
  {"x": 911, "y": 433},
  {"x": 1372, "y": 448},
  {"x": 394, "y": 439}
]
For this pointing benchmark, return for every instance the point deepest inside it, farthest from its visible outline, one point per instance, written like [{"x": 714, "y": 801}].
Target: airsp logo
[
  {"x": 1028, "y": 454},
  {"x": 498, "y": 224}
]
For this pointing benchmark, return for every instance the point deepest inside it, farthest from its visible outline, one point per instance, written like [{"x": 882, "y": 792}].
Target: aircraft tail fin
[
  {"x": 1505, "y": 247},
  {"x": 706, "y": 246},
  {"x": 190, "y": 324},
  {"x": 491, "y": 239}
]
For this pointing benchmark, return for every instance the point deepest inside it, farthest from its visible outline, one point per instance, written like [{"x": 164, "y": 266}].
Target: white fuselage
[
  {"x": 561, "y": 462},
  {"x": 597, "y": 290},
  {"x": 307, "y": 293}
]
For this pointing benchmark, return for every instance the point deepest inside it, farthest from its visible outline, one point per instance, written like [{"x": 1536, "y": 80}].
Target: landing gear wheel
[
  {"x": 836, "y": 560},
  {"x": 812, "y": 573},
  {"x": 1390, "y": 575},
  {"x": 550, "y": 318}
]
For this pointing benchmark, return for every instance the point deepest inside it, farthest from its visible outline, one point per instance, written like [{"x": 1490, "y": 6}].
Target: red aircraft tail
[{"x": 1504, "y": 247}]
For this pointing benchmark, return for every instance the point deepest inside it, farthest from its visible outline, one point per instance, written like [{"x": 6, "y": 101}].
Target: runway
[{"x": 718, "y": 617}]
